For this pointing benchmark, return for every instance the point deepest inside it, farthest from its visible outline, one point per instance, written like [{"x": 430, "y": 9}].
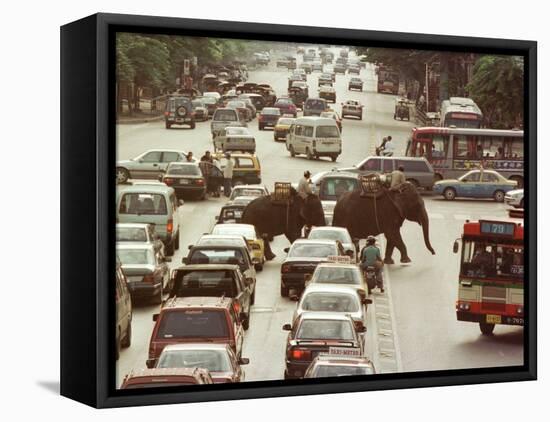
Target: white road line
[{"x": 387, "y": 288}]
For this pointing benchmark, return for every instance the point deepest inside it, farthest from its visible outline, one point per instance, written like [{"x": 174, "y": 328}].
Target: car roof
[
  {"x": 221, "y": 236},
  {"x": 238, "y": 225},
  {"x": 196, "y": 346},
  {"x": 330, "y": 228},
  {"x": 125, "y": 245},
  {"x": 337, "y": 316},
  {"x": 337, "y": 265},
  {"x": 329, "y": 288},
  {"x": 250, "y": 187},
  {"x": 350, "y": 360},
  {"x": 197, "y": 302},
  {"x": 133, "y": 225},
  {"x": 146, "y": 188},
  {"x": 314, "y": 241},
  {"x": 148, "y": 372},
  {"x": 338, "y": 173},
  {"x": 208, "y": 267},
  {"x": 316, "y": 120}
]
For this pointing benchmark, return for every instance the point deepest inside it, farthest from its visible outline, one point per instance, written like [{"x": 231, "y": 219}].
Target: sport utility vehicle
[
  {"x": 179, "y": 111},
  {"x": 196, "y": 319},
  {"x": 224, "y": 117}
]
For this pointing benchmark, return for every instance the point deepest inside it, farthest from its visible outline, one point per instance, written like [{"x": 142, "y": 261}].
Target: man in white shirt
[
  {"x": 228, "y": 175},
  {"x": 389, "y": 148},
  {"x": 304, "y": 185}
]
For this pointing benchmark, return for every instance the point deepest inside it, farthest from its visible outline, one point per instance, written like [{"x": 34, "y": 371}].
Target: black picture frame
[{"x": 87, "y": 240}]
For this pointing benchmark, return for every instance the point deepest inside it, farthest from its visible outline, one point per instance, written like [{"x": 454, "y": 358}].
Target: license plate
[
  {"x": 493, "y": 319},
  {"x": 344, "y": 351},
  {"x": 184, "y": 182}
]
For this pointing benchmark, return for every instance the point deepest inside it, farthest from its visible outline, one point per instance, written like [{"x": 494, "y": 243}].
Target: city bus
[
  {"x": 491, "y": 278},
  {"x": 460, "y": 112},
  {"x": 388, "y": 80},
  {"x": 454, "y": 151}
]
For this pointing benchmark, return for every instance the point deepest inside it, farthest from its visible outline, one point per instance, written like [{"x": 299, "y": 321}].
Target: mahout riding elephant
[
  {"x": 365, "y": 215},
  {"x": 272, "y": 219}
]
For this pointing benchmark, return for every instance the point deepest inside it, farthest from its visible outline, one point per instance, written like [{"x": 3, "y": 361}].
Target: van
[
  {"x": 315, "y": 106},
  {"x": 315, "y": 137},
  {"x": 153, "y": 203},
  {"x": 418, "y": 170}
]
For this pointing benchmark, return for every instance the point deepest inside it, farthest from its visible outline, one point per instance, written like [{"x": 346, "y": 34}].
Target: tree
[{"x": 497, "y": 87}]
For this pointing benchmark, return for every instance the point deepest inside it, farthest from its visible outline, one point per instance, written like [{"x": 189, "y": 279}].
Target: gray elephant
[
  {"x": 272, "y": 219},
  {"x": 368, "y": 215}
]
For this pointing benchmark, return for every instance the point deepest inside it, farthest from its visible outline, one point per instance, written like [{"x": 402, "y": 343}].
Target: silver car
[
  {"x": 336, "y": 233},
  {"x": 148, "y": 165},
  {"x": 348, "y": 275},
  {"x": 333, "y": 298},
  {"x": 514, "y": 198}
]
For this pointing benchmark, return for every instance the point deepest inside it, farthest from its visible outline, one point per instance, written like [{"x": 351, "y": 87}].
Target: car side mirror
[
  {"x": 150, "y": 363},
  {"x": 155, "y": 317},
  {"x": 286, "y": 250},
  {"x": 455, "y": 247},
  {"x": 244, "y": 361},
  {"x": 366, "y": 301},
  {"x": 184, "y": 260},
  {"x": 287, "y": 327}
]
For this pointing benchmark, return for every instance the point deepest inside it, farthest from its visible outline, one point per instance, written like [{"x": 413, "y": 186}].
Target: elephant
[
  {"x": 272, "y": 219},
  {"x": 365, "y": 215}
]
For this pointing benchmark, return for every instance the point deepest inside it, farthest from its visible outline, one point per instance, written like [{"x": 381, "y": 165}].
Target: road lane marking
[{"x": 461, "y": 217}]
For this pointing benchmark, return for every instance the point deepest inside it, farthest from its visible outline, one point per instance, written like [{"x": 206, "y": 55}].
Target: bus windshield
[{"x": 486, "y": 259}]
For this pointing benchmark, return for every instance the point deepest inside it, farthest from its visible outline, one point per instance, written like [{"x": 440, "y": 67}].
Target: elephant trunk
[{"x": 425, "y": 223}]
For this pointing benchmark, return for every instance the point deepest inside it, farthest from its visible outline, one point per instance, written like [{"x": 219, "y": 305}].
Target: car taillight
[
  {"x": 168, "y": 180},
  {"x": 199, "y": 181},
  {"x": 170, "y": 226},
  {"x": 300, "y": 354},
  {"x": 149, "y": 278},
  {"x": 285, "y": 268}
]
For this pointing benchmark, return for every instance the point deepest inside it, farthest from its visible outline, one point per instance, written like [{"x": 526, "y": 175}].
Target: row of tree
[
  {"x": 156, "y": 61},
  {"x": 495, "y": 83}
]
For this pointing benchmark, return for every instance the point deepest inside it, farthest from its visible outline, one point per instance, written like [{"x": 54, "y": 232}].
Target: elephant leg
[
  {"x": 269, "y": 255},
  {"x": 389, "y": 251},
  {"x": 399, "y": 244}
]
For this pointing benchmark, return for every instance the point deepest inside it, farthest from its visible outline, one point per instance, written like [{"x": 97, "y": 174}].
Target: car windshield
[
  {"x": 312, "y": 250},
  {"x": 244, "y": 191},
  {"x": 236, "y": 104},
  {"x": 248, "y": 233},
  {"x": 341, "y": 370},
  {"x": 271, "y": 111},
  {"x": 183, "y": 170},
  {"x": 209, "y": 100},
  {"x": 205, "y": 283},
  {"x": 315, "y": 104},
  {"x": 335, "y": 275},
  {"x": 217, "y": 256},
  {"x": 340, "y": 235},
  {"x": 325, "y": 329},
  {"x": 143, "y": 203},
  {"x": 333, "y": 188},
  {"x": 131, "y": 234},
  {"x": 193, "y": 323},
  {"x": 226, "y": 115},
  {"x": 213, "y": 360},
  {"x": 176, "y": 102},
  {"x": 327, "y": 132},
  {"x": 135, "y": 256},
  {"x": 236, "y": 131},
  {"x": 330, "y": 302},
  {"x": 230, "y": 241}
]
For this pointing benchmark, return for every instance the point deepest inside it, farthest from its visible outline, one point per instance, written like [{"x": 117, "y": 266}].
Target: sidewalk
[{"x": 139, "y": 118}]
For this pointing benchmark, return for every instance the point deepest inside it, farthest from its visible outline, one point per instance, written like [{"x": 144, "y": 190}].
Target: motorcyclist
[{"x": 370, "y": 257}]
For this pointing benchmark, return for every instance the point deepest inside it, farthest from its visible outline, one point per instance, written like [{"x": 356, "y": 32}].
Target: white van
[{"x": 315, "y": 137}]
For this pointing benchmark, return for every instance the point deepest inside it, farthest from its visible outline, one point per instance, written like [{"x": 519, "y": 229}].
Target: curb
[{"x": 139, "y": 120}]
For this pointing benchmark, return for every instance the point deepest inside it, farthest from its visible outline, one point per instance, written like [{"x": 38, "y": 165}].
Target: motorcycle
[{"x": 370, "y": 276}]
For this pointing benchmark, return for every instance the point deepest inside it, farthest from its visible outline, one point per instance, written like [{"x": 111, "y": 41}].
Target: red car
[
  {"x": 196, "y": 319},
  {"x": 286, "y": 106},
  {"x": 165, "y": 377}
]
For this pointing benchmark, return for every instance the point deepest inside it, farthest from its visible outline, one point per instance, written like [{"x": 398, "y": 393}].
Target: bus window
[
  {"x": 514, "y": 149},
  {"x": 510, "y": 261},
  {"x": 440, "y": 147},
  {"x": 461, "y": 147},
  {"x": 479, "y": 259}
]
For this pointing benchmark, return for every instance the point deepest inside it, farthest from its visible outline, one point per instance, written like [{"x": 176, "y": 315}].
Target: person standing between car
[
  {"x": 228, "y": 175},
  {"x": 207, "y": 157},
  {"x": 397, "y": 177},
  {"x": 189, "y": 157},
  {"x": 389, "y": 148},
  {"x": 304, "y": 185},
  {"x": 370, "y": 257}
]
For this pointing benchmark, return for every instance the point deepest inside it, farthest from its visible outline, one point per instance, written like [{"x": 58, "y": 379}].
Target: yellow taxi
[
  {"x": 254, "y": 240},
  {"x": 282, "y": 127},
  {"x": 246, "y": 170}
]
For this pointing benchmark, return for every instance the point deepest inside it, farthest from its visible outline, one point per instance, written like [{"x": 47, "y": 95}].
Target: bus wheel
[
  {"x": 486, "y": 329},
  {"x": 499, "y": 196},
  {"x": 449, "y": 194}
]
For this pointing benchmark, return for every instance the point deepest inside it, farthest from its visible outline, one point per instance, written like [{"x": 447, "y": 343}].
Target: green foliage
[{"x": 497, "y": 87}]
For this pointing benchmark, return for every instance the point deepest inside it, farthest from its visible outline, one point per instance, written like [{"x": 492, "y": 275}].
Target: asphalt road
[{"x": 412, "y": 326}]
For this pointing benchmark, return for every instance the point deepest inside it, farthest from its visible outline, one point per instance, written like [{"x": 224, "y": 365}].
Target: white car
[
  {"x": 514, "y": 198},
  {"x": 335, "y": 233}
]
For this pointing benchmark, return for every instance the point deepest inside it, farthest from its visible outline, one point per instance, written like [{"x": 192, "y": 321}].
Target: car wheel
[
  {"x": 486, "y": 329},
  {"x": 177, "y": 242},
  {"x": 122, "y": 175},
  {"x": 168, "y": 125},
  {"x": 309, "y": 154},
  {"x": 169, "y": 249},
  {"x": 127, "y": 341},
  {"x": 499, "y": 196},
  {"x": 333, "y": 158},
  {"x": 292, "y": 152},
  {"x": 284, "y": 291},
  {"x": 192, "y": 125},
  {"x": 449, "y": 194},
  {"x": 259, "y": 267}
]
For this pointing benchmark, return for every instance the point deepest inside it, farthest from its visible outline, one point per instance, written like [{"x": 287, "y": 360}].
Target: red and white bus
[
  {"x": 490, "y": 282},
  {"x": 454, "y": 151},
  {"x": 460, "y": 112}
]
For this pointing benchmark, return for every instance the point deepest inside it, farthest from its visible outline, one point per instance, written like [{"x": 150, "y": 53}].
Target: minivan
[
  {"x": 153, "y": 203},
  {"x": 418, "y": 170},
  {"x": 315, "y": 106},
  {"x": 315, "y": 137}
]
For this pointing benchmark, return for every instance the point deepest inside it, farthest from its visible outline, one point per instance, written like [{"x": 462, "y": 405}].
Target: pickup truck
[
  {"x": 216, "y": 280},
  {"x": 224, "y": 117}
]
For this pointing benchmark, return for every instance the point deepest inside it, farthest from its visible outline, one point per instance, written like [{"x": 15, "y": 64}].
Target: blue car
[{"x": 476, "y": 184}]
